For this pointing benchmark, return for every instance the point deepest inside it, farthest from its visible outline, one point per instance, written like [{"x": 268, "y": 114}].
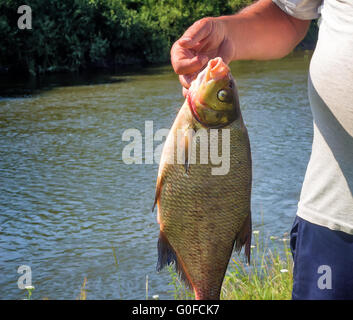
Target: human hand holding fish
[
  {"x": 261, "y": 31},
  {"x": 204, "y": 40}
]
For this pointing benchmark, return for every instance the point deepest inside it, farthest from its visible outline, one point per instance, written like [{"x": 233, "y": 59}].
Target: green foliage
[
  {"x": 269, "y": 276},
  {"x": 173, "y": 17},
  {"x": 237, "y": 5},
  {"x": 75, "y": 34},
  {"x": 179, "y": 290}
]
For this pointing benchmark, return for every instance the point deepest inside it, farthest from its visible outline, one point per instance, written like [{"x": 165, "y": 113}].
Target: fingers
[
  {"x": 196, "y": 33},
  {"x": 184, "y": 58},
  {"x": 186, "y": 79},
  {"x": 186, "y": 61}
]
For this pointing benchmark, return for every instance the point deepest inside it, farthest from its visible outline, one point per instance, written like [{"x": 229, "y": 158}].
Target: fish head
[{"x": 213, "y": 97}]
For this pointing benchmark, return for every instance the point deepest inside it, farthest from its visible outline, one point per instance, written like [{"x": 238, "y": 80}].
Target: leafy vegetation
[{"x": 69, "y": 35}]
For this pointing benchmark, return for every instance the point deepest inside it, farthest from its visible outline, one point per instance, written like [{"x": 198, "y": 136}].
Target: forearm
[{"x": 263, "y": 31}]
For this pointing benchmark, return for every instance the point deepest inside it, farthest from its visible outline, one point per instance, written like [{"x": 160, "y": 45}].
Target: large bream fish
[{"x": 203, "y": 213}]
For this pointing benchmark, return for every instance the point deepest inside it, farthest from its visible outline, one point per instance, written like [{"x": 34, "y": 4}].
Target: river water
[{"x": 69, "y": 205}]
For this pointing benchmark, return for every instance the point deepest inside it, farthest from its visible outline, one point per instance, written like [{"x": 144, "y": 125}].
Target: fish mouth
[{"x": 216, "y": 70}]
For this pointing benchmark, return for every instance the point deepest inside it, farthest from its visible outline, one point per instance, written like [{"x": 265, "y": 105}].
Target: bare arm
[{"x": 261, "y": 31}]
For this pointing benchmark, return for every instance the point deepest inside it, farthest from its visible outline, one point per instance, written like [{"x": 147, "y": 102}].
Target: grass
[
  {"x": 268, "y": 277},
  {"x": 29, "y": 292},
  {"x": 83, "y": 292},
  {"x": 179, "y": 291}
]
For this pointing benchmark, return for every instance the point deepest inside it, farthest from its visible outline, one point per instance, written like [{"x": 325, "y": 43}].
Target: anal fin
[
  {"x": 244, "y": 238},
  {"x": 167, "y": 256}
]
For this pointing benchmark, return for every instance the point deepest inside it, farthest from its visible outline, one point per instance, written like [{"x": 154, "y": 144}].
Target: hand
[{"x": 204, "y": 40}]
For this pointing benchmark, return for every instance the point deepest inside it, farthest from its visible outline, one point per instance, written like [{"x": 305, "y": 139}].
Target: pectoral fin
[
  {"x": 186, "y": 154},
  {"x": 184, "y": 146}
]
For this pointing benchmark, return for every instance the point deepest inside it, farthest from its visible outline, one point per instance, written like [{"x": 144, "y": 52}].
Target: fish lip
[
  {"x": 204, "y": 77},
  {"x": 217, "y": 69}
]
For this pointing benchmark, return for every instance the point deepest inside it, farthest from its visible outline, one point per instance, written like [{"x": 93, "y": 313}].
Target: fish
[{"x": 204, "y": 215}]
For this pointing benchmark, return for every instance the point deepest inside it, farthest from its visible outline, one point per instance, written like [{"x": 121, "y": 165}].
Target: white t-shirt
[{"x": 326, "y": 198}]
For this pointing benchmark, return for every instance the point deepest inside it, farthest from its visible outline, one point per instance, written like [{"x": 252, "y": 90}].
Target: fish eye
[{"x": 223, "y": 95}]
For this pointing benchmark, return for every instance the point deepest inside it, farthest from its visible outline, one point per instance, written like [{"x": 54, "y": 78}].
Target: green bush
[{"x": 69, "y": 35}]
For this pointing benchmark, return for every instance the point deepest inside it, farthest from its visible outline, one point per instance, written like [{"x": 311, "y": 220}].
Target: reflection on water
[{"x": 67, "y": 200}]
